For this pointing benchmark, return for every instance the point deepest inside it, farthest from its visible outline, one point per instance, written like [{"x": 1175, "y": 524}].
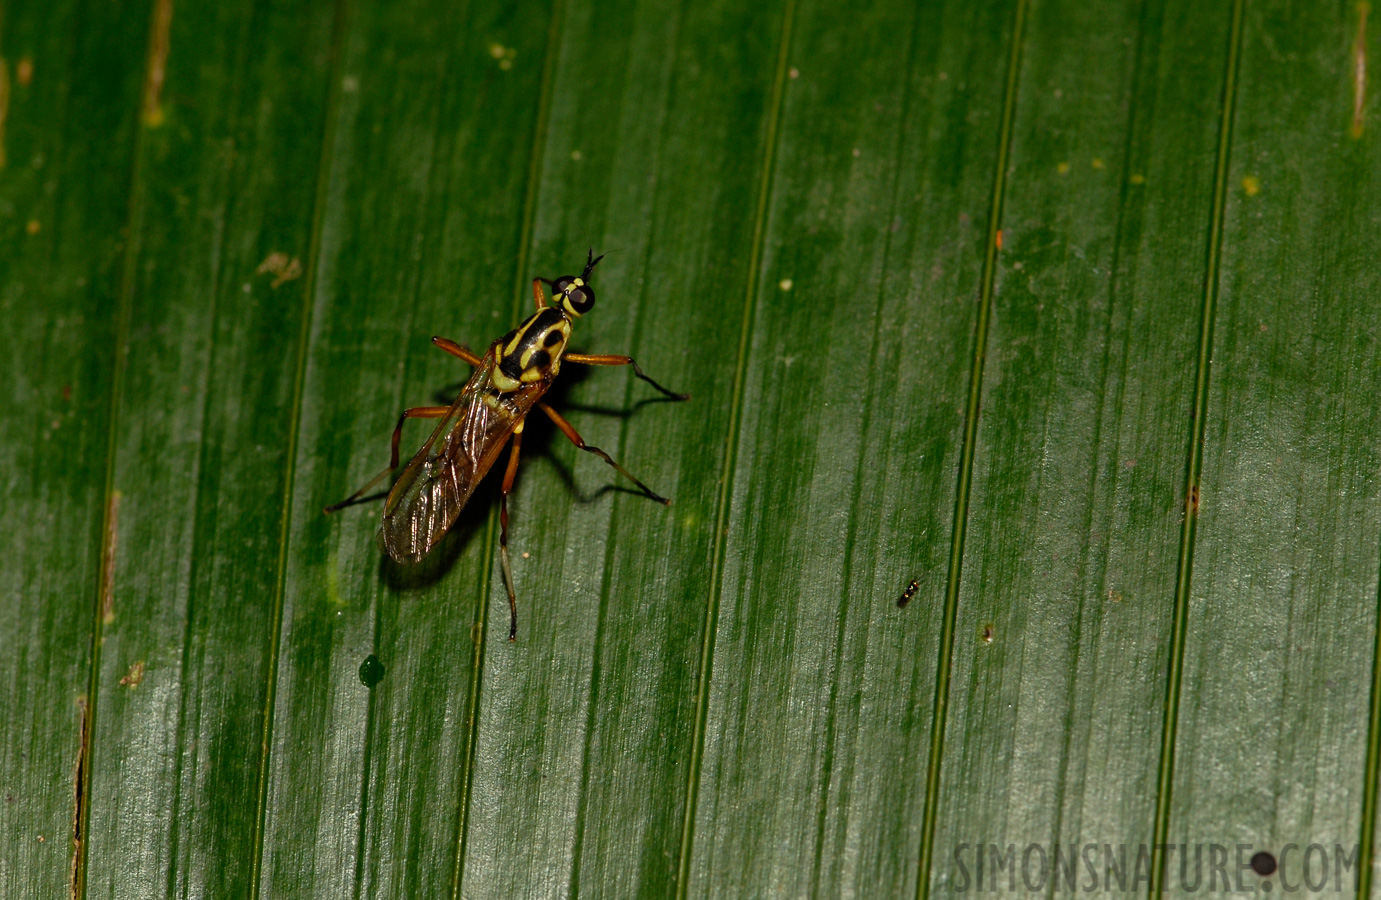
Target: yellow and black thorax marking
[{"x": 532, "y": 351}]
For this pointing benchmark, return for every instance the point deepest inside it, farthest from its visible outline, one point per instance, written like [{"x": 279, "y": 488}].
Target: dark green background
[{"x": 1066, "y": 310}]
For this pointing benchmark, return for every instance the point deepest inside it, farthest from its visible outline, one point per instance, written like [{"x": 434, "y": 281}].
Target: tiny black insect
[{"x": 907, "y": 594}]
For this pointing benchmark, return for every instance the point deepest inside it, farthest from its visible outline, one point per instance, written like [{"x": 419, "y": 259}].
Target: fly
[{"x": 508, "y": 382}]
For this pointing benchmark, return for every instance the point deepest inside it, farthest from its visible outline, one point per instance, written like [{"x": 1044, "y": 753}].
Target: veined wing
[{"x": 436, "y": 484}]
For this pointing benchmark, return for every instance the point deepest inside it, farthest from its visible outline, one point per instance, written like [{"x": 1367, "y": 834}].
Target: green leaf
[{"x": 1062, "y": 311}]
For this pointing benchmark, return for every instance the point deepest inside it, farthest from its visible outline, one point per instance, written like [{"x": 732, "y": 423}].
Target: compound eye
[{"x": 580, "y": 298}]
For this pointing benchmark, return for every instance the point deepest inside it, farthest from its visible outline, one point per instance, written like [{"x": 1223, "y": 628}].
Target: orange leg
[
  {"x": 538, "y": 294},
  {"x": 611, "y": 360},
  {"x": 509, "y": 474},
  {"x": 457, "y": 350},
  {"x": 416, "y": 412},
  {"x": 576, "y": 439}
]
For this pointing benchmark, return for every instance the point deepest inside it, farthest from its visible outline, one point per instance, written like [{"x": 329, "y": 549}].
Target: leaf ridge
[
  {"x": 961, "y": 500},
  {"x": 481, "y": 629},
  {"x": 106, "y": 569},
  {"x": 309, "y": 283},
  {"x": 732, "y": 438},
  {"x": 1193, "y": 468}
]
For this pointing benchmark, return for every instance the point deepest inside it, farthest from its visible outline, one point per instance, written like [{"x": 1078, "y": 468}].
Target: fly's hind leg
[
  {"x": 576, "y": 439},
  {"x": 509, "y": 474},
  {"x": 416, "y": 412},
  {"x": 605, "y": 359}
]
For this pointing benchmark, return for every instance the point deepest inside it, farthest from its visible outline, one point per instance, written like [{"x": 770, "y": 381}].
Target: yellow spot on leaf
[
  {"x": 785, "y": 284},
  {"x": 1137, "y": 178},
  {"x": 33, "y": 226},
  {"x": 505, "y": 55},
  {"x": 1098, "y": 163},
  {"x": 1251, "y": 185},
  {"x": 282, "y": 267},
  {"x": 133, "y": 676},
  {"x": 1062, "y": 168}
]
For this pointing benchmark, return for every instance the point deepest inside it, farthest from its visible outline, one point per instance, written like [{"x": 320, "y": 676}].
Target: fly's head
[{"x": 573, "y": 293}]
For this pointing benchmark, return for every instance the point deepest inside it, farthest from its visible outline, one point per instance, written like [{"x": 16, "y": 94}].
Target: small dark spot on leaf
[{"x": 371, "y": 671}]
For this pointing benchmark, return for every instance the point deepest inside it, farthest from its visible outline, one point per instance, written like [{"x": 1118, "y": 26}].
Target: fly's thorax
[{"x": 532, "y": 351}]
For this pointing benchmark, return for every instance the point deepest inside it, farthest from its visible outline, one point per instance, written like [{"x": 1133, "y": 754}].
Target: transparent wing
[{"x": 437, "y": 483}]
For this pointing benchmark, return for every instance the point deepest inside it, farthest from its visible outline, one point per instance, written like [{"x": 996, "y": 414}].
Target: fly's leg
[
  {"x": 508, "y": 477},
  {"x": 576, "y": 439},
  {"x": 416, "y": 412},
  {"x": 611, "y": 360},
  {"x": 457, "y": 350},
  {"x": 537, "y": 293}
]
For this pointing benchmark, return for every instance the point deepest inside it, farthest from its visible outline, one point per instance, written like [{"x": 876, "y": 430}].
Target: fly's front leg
[
  {"x": 611, "y": 360},
  {"x": 576, "y": 439},
  {"x": 537, "y": 293},
  {"x": 416, "y": 412},
  {"x": 509, "y": 474},
  {"x": 458, "y": 350}
]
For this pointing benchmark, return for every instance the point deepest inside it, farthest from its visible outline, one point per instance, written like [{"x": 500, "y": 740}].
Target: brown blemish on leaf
[
  {"x": 282, "y": 267},
  {"x": 133, "y": 676},
  {"x": 158, "y": 63},
  {"x": 24, "y": 72},
  {"x": 79, "y": 777},
  {"x": 1192, "y": 502},
  {"x": 986, "y": 635},
  {"x": 112, "y": 533},
  {"x": 4, "y": 105},
  {"x": 1359, "y": 69}
]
